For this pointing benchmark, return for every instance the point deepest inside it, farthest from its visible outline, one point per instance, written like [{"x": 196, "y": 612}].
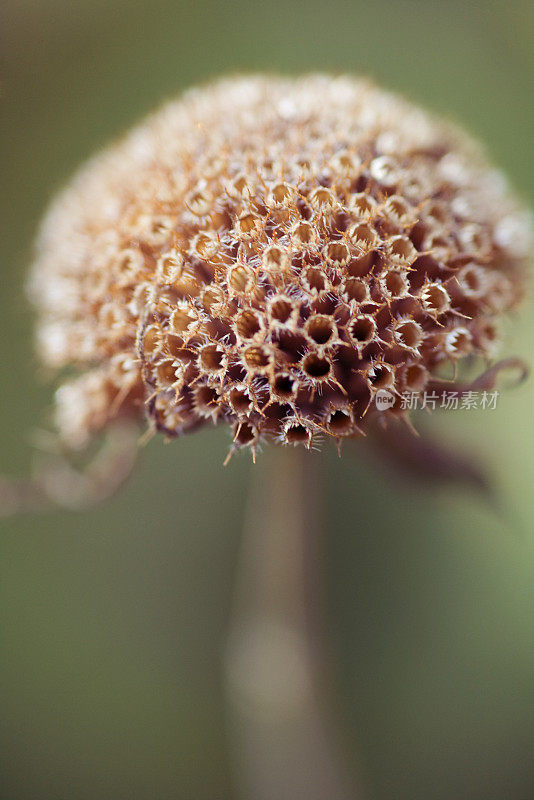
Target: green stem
[{"x": 285, "y": 745}]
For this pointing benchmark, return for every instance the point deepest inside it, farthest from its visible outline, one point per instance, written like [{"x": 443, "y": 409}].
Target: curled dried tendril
[{"x": 57, "y": 481}]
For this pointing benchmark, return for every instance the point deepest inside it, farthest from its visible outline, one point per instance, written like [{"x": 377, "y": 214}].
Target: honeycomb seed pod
[{"x": 269, "y": 253}]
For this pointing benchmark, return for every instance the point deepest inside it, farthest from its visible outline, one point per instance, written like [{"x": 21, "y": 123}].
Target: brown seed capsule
[{"x": 348, "y": 245}]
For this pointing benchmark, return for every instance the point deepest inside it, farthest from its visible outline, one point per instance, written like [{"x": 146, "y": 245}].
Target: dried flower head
[{"x": 270, "y": 253}]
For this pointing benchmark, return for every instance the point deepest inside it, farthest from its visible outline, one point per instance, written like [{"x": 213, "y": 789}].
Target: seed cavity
[
  {"x": 363, "y": 235},
  {"x": 314, "y": 280},
  {"x": 408, "y": 334},
  {"x": 282, "y": 309},
  {"x": 244, "y": 434},
  {"x": 297, "y": 433},
  {"x": 248, "y": 324},
  {"x": 240, "y": 399},
  {"x": 321, "y": 329},
  {"x": 395, "y": 284},
  {"x": 206, "y": 400},
  {"x": 304, "y": 234},
  {"x": 241, "y": 279},
  {"x": 317, "y": 367},
  {"x": 435, "y": 299},
  {"x": 356, "y": 290},
  {"x": 257, "y": 358},
  {"x": 212, "y": 358},
  {"x": 458, "y": 342},
  {"x": 415, "y": 378},
  {"x": 340, "y": 423},
  {"x": 362, "y": 205},
  {"x": 362, "y": 330},
  {"x": 280, "y": 195},
  {"x": 284, "y": 387},
  {"x": 381, "y": 376},
  {"x": 276, "y": 259},
  {"x": 322, "y": 200},
  {"x": 337, "y": 253}
]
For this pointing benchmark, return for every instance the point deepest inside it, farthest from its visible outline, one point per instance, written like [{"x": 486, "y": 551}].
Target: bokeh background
[{"x": 113, "y": 621}]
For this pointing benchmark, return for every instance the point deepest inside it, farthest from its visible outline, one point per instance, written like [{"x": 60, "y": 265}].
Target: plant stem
[{"x": 285, "y": 747}]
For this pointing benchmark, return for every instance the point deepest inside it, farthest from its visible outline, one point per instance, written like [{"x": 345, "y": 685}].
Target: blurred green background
[{"x": 113, "y": 621}]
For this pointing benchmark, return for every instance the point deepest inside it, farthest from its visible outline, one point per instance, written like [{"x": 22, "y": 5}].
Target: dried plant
[{"x": 270, "y": 253}]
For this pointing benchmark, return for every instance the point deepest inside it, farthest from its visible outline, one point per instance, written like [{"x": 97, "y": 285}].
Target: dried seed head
[{"x": 272, "y": 253}]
